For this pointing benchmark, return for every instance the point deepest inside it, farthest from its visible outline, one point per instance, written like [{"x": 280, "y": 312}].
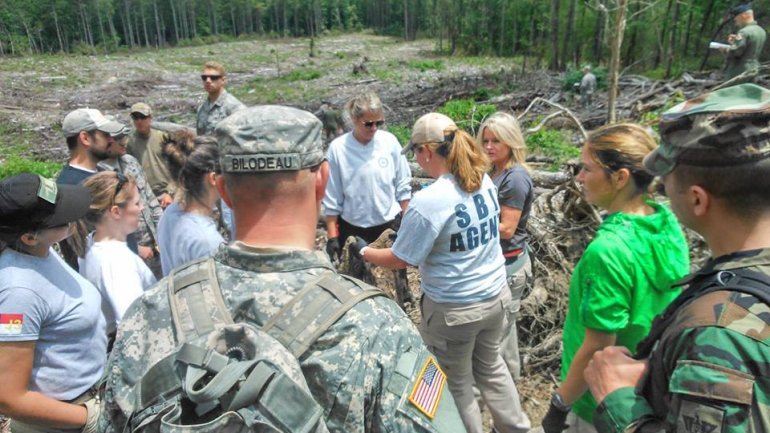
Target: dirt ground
[{"x": 409, "y": 78}]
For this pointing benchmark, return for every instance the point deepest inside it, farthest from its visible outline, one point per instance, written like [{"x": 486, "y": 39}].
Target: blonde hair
[
  {"x": 104, "y": 194},
  {"x": 215, "y": 66},
  {"x": 358, "y": 105},
  {"x": 506, "y": 128},
  {"x": 623, "y": 145},
  {"x": 464, "y": 159}
]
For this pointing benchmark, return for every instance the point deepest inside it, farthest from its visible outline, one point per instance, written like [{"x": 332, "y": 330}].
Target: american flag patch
[
  {"x": 426, "y": 393},
  {"x": 10, "y": 324}
]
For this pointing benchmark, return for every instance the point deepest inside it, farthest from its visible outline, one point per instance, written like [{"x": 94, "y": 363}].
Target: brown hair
[
  {"x": 215, "y": 66},
  {"x": 190, "y": 158},
  {"x": 743, "y": 187},
  {"x": 623, "y": 145}
]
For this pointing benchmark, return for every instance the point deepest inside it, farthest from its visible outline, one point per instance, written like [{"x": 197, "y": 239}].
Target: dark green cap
[
  {"x": 727, "y": 127},
  {"x": 269, "y": 138}
]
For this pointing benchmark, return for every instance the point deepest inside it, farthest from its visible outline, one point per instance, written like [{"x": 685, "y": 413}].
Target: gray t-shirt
[
  {"x": 514, "y": 189},
  {"x": 184, "y": 237},
  {"x": 453, "y": 236},
  {"x": 44, "y": 300}
]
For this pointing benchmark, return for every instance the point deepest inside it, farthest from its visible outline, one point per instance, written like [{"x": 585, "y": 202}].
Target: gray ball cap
[
  {"x": 89, "y": 119},
  {"x": 269, "y": 138}
]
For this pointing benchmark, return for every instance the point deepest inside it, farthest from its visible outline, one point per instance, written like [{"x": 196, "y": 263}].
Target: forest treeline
[{"x": 550, "y": 33}]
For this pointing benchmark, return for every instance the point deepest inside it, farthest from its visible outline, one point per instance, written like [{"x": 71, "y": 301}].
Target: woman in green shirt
[{"x": 623, "y": 280}]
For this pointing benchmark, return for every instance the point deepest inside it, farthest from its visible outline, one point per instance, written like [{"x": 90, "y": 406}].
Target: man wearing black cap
[
  {"x": 705, "y": 365},
  {"x": 746, "y": 46}
]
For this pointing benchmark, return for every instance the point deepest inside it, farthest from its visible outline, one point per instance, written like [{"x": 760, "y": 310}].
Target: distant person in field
[
  {"x": 144, "y": 145},
  {"x": 587, "y": 87},
  {"x": 219, "y": 103},
  {"x": 745, "y": 46}
]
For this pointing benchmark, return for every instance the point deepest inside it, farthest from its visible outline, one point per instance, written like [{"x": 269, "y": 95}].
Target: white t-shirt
[
  {"x": 42, "y": 299},
  {"x": 367, "y": 182},
  {"x": 184, "y": 237},
  {"x": 453, "y": 237},
  {"x": 120, "y": 275}
]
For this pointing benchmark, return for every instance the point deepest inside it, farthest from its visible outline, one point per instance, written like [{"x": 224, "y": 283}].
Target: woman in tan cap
[
  {"x": 451, "y": 231},
  {"x": 53, "y": 344}
]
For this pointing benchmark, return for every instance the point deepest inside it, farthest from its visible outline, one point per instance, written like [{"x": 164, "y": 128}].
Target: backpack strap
[
  {"x": 741, "y": 280},
  {"x": 192, "y": 291},
  {"x": 320, "y": 310}
]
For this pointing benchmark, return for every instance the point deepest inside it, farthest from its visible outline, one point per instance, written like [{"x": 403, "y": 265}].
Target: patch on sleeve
[
  {"x": 10, "y": 324},
  {"x": 426, "y": 393},
  {"x": 699, "y": 418}
]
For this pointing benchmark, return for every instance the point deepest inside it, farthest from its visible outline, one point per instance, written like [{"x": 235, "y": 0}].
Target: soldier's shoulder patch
[
  {"x": 428, "y": 388},
  {"x": 699, "y": 418}
]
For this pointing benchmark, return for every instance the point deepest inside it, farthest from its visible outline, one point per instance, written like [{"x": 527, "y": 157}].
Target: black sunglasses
[
  {"x": 137, "y": 116},
  {"x": 369, "y": 123},
  {"x": 122, "y": 180},
  {"x": 205, "y": 77}
]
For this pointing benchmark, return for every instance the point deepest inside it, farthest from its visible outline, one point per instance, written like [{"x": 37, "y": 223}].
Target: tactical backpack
[{"x": 237, "y": 377}]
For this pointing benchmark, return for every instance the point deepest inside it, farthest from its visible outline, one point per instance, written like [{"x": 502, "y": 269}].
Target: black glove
[
  {"x": 555, "y": 420},
  {"x": 333, "y": 248},
  {"x": 357, "y": 246}
]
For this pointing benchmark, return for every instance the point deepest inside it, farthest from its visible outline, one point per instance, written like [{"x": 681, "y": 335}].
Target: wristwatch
[{"x": 558, "y": 403}]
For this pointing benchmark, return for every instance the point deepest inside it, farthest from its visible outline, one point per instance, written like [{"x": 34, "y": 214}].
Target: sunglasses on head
[
  {"x": 369, "y": 123},
  {"x": 122, "y": 180},
  {"x": 206, "y": 77}
]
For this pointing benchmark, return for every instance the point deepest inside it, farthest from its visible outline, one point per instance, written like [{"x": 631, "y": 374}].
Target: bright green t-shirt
[{"x": 622, "y": 281}]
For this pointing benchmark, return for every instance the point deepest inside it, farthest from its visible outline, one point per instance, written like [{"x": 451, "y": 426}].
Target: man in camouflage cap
[
  {"x": 366, "y": 366},
  {"x": 704, "y": 366}
]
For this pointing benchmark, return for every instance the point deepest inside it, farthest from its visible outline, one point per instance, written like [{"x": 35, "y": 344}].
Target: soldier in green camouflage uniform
[
  {"x": 219, "y": 103},
  {"x": 746, "y": 46},
  {"x": 705, "y": 367},
  {"x": 364, "y": 367}
]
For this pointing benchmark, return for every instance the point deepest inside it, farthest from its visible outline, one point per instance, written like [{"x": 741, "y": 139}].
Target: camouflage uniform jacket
[
  {"x": 360, "y": 371},
  {"x": 152, "y": 211},
  {"x": 209, "y": 114},
  {"x": 744, "y": 53},
  {"x": 710, "y": 369}
]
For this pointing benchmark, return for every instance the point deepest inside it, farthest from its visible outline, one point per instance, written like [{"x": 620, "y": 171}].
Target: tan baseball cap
[
  {"x": 141, "y": 108},
  {"x": 431, "y": 128},
  {"x": 89, "y": 119}
]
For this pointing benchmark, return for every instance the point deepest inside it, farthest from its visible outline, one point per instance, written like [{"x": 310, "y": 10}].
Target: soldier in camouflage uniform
[
  {"x": 365, "y": 367},
  {"x": 746, "y": 46},
  {"x": 705, "y": 366},
  {"x": 219, "y": 103}
]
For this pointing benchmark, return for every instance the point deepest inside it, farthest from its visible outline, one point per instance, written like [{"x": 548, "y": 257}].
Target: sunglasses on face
[
  {"x": 206, "y": 77},
  {"x": 369, "y": 123},
  {"x": 137, "y": 116},
  {"x": 414, "y": 151}
]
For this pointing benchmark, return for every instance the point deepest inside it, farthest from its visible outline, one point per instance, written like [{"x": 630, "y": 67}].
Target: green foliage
[
  {"x": 573, "y": 76},
  {"x": 402, "y": 132},
  {"x": 16, "y": 164},
  {"x": 426, "y": 65},
  {"x": 467, "y": 113},
  {"x": 653, "y": 117},
  {"x": 304, "y": 74},
  {"x": 552, "y": 143}
]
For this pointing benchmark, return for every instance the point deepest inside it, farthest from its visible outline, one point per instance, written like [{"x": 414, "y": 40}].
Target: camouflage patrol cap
[
  {"x": 741, "y": 8},
  {"x": 727, "y": 127},
  {"x": 268, "y": 138}
]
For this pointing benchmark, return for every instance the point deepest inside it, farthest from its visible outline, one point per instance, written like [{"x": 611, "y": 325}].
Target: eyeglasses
[
  {"x": 369, "y": 123},
  {"x": 122, "y": 180},
  {"x": 206, "y": 77},
  {"x": 416, "y": 149}
]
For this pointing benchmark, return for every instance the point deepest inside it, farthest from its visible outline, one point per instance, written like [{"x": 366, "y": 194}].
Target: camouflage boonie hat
[
  {"x": 730, "y": 126},
  {"x": 269, "y": 138}
]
